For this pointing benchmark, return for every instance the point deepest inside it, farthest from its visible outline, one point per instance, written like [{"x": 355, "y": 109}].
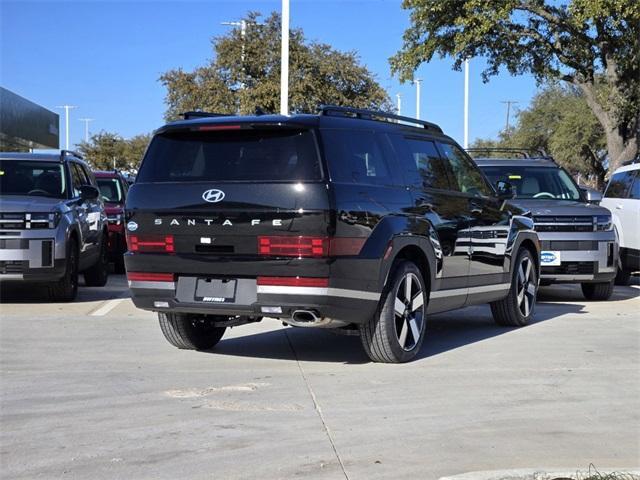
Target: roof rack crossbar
[
  {"x": 199, "y": 114},
  {"x": 526, "y": 153},
  {"x": 375, "y": 115}
]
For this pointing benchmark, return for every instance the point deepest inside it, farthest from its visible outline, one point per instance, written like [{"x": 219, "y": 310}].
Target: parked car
[
  {"x": 622, "y": 197},
  {"x": 52, "y": 222},
  {"x": 113, "y": 190},
  {"x": 578, "y": 241},
  {"x": 349, "y": 219}
]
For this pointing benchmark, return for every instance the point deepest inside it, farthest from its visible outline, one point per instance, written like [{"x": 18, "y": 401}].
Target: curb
[{"x": 545, "y": 474}]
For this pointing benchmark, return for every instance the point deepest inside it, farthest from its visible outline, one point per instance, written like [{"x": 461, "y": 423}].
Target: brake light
[
  {"x": 293, "y": 281},
  {"x": 151, "y": 243},
  {"x": 290, "y": 246},
  {"x": 150, "y": 277},
  {"x": 209, "y": 128}
]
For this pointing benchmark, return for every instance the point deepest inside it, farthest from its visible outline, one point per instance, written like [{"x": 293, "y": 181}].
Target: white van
[{"x": 622, "y": 197}]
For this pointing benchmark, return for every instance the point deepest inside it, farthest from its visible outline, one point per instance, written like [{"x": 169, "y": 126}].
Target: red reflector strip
[
  {"x": 294, "y": 281},
  {"x": 151, "y": 243},
  {"x": 150, "y": 277},
  {"x": 209, "y": 128},
  {"x": 290, "y": 246}
]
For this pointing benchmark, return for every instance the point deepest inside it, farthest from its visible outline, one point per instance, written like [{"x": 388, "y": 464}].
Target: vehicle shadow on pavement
[
  {"x": 116, "y": 287},
  {"x": 445, "y": 332}
]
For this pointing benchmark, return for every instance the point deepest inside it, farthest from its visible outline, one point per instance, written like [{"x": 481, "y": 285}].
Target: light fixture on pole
[
  {"x": 466, "y": 103},
  {"x": 66, "y": 123},
  {"x": 86, "y": 127},
  {"x": 399, "y": 101},
  {"x": 284, "y": 60},
  {"x": 417, "y": 82}
]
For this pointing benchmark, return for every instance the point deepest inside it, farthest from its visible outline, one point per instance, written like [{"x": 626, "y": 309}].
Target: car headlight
[
  {"x": 43, "y": 220},
  {"x": 116, "y": 219},
  {"x": 603, "y": 223}
]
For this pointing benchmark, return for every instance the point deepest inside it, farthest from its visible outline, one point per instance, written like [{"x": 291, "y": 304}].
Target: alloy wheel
[
  {"x": 409, "y": 311},
  {"x": 526, "y": 286}
]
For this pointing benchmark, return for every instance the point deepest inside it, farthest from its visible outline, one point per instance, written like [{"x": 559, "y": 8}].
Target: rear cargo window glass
[
  {"x": 245, "y": 155},
  {"x": 355, "y": 157}
]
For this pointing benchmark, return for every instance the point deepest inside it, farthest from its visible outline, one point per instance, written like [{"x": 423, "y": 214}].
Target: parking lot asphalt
[{"x": 92, "y": 390}]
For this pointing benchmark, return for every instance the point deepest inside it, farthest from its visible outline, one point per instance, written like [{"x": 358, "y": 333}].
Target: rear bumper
[{"x": 585, "y": 257}]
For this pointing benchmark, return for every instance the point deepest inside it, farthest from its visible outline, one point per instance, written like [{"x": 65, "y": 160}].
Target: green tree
[
  {"x": 560, "y": 122},
  {"x": 593, "y": 45},
  {"x": 244, "y": 75},
  {"x": 106, "y": 150}
]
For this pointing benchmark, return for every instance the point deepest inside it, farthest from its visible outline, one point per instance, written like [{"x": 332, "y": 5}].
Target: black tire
[
  {"x": 622, "y": 278},
  {"x": 597, "y": 291},
  {"x": 517, "y": 308},
  {"x": 66, "y": 289},
  {"x": 98, "y": 274},
  {"x": 396, "y": 336},
  {"x": 191, "y": 331}
]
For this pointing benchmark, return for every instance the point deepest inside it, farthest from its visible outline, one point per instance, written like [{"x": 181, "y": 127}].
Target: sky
[{"x": 105, "y": 57}]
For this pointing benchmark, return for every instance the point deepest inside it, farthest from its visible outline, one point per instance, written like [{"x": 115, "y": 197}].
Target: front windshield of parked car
[
  {"x": 25, "y": 177},
  {"x": 535, "y": 182},
  {"x": 110, "y": 189}
]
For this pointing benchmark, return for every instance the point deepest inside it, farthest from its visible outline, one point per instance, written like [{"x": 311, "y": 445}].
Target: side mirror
[
  {"x": 592, "y": 196},
  {"x": 504, "y": 190},
  {"x": 89, "y": 192}
]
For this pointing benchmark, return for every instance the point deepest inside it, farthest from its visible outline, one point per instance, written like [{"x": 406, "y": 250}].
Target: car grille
[
  {"x": 569, "y": 245},
  {"x": 564, "y": 224},
  {"x": 11, "y": 266},
  {"x": 571, "y": 268},
  {"x": 23, "y": 221}
]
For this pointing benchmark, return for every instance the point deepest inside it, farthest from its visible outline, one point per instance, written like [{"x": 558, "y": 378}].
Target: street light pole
[
  {"x": 509, "y": 103},
  {"x": 399, "y": 100},
  {"x": 86, "y": 128},
  {"x": 418, "y": 81},
  {"x": 284, "y": 60},
  {"x": 466, "y": 103},
  {"x": 66, "y": 123}
]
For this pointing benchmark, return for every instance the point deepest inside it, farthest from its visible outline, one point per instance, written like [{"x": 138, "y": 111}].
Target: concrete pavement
[{"x": 92, "y": 390}]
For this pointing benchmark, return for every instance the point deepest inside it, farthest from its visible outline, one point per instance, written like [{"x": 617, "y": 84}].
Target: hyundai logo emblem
[
  {"x": 213, "y": 195},
  {"x": 132, "y": 226}
]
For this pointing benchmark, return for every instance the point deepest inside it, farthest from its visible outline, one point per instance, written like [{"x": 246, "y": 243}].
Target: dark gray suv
[{"x": 52, "y": 222}]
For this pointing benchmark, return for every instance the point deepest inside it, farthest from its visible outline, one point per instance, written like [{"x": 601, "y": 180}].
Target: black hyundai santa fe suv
[{"x": 348, "y": 219}]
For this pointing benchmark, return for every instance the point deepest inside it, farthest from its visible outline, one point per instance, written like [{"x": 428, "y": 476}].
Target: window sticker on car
[{"x": 515, "y": 177}]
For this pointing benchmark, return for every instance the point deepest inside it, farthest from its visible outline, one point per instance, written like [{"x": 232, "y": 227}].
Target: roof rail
[
  {"x": 375, "y": 115},
  {"x": 199, "y": 114},
  {"x": 73, "y": 153},
  {"x": 523, "y": 152}
]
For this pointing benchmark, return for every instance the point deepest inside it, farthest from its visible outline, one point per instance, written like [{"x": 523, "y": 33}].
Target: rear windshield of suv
[{"x": 243, "y": 155}]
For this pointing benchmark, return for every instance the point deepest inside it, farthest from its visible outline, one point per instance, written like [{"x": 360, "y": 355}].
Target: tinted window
[
  {"x": 356, "y": 156},
  {"x": 242, "y": 155},
  {"x": 110, "y": 189},
  {"x": 77, "y": 178},
  {"x": 619, "y": 185},
  {"x": 45, "y": 179},
  {"x": 535, "y": 182},
  {"x": 465, "y": 172},
  {"x": 426, "y": 159},
  {"x": 635, "y": 189}
]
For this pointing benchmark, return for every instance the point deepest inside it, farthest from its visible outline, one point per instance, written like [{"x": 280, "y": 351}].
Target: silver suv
[
  {"x": 577, "y": 237},
  {"x": 52, "y": 223}
]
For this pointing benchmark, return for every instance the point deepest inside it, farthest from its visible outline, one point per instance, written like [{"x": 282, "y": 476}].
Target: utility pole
[
  {"x": 399, "y": 100},
  {"x": 466, "y": 103},
  {"x": 66, "y": 123},
  {"x": 243, "y": 33},
  {"x": 284, "y": 60},
  {"x": 86, "y": 127},
  {"x": 418, "y": 81},
  {"x": 509, "y": 103}
]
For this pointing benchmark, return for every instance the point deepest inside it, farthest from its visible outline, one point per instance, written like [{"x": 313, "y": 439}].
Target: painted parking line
[{"x": 107, "y": 307}]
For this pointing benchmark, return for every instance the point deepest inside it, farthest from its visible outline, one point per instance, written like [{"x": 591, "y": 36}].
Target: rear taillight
[
  {"x": 151, "y": 243},
  {"x": 291, "y": 246},
  {"x": 293, "y": 281},
  {"x": 150, "y": 277}
]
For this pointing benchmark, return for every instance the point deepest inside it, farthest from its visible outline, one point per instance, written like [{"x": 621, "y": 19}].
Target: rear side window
[
  {"x": 356, "y": 156},
  {"x": 430, "y": 166},
  {"x": 243, "y": 155},
  {"x": 619, "y": 185}
]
